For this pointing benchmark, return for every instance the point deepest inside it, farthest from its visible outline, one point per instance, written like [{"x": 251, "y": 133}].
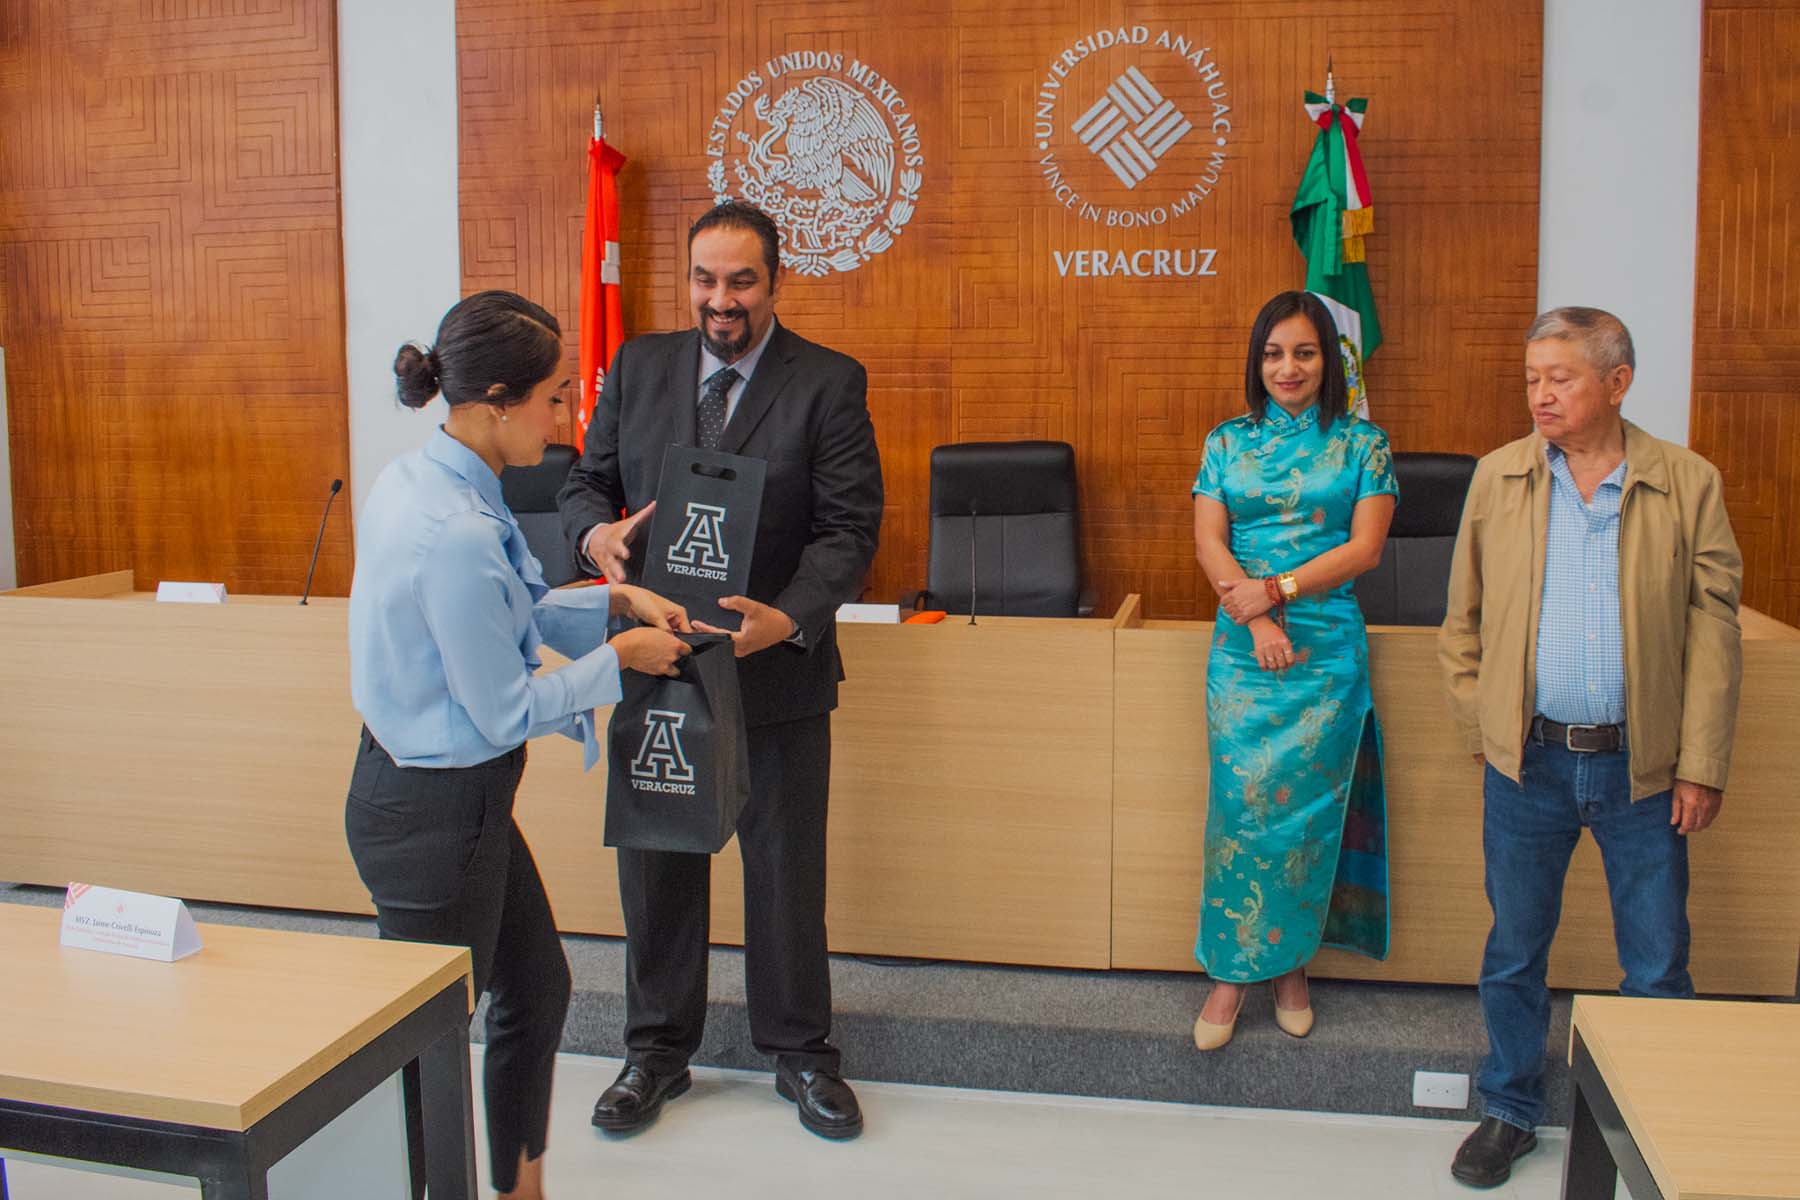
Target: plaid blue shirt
[{"x": 1580, "y": 645}]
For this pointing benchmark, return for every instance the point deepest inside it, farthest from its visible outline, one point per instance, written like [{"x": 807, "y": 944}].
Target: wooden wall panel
[
  {"x": 1746, "y": 406},
  {"x": 171, "y": 295},
  {"x": 967, "y": 326}
]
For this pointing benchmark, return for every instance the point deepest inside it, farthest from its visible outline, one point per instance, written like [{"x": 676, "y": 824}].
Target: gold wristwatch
[{"x": 1288, "y": 585}]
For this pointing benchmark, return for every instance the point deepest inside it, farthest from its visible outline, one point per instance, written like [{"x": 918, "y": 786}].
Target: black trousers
[
  {"x": 667, "y": 898},
  {"x": 445, "y": 862}
]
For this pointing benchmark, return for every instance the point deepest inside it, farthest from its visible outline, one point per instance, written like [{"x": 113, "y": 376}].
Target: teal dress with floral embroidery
[{"x": 1296, "y": 820}]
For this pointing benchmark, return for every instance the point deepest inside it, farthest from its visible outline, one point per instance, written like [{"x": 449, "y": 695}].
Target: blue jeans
[{"x": 1529, "y": 830}]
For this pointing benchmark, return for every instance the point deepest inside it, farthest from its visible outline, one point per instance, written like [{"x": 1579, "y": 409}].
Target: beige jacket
[{"x": 1679, "y": 577}]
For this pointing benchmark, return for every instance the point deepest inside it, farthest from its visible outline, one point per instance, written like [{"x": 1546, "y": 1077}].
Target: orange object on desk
[{"x": 931, "y": 617}]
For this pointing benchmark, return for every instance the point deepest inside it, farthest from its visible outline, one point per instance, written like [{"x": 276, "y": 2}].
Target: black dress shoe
[
  {"x": 636, "y": 1096},
  {"x": 827, "y": 1105},
  {"x": 1486, "y": 1156}
]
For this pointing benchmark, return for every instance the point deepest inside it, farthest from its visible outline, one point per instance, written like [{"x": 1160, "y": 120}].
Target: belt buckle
[{"x": 1569, "y": 732}]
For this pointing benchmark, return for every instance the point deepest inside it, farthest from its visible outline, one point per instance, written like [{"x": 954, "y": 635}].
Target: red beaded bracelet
[{"x": 1273, "y": 589}]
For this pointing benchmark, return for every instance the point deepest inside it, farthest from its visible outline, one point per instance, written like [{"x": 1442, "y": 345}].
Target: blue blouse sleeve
[
  {"x": 1211, "y": 480},
  {"x": 1376, "y": 465},
  {"x": 572, "y": 621},
  {"x": 464, "y": 592}
]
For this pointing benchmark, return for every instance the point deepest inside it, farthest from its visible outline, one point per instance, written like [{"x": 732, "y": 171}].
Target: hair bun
[{"x": 416, "y": 375}]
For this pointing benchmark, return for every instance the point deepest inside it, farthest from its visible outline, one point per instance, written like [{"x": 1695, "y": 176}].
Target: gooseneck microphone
[
  {"x": 974, "y": 536},
  {"x": 337, "y": 485}
]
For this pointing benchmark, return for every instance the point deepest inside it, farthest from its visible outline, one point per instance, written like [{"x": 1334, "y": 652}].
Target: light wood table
[
  {"x": 1687, "y": 1099},
  {"x": 218, "y": 1065}
]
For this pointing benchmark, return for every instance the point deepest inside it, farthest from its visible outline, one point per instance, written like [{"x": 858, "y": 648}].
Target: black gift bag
[
  {"x": 678, "y": 770},
  {"x": 704, "y": 530}
]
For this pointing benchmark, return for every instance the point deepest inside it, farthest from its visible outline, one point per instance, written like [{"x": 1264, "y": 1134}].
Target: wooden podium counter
[{"x": 1024, "y": 791}]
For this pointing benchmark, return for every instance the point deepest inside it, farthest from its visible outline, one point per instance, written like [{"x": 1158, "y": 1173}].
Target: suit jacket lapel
[
  {"x": 772, "y": 372},
  {"x": 684, "y": 382}
]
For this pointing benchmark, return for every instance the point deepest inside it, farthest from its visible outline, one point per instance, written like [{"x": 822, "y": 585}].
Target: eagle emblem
[{"x": 822, "y": 164}]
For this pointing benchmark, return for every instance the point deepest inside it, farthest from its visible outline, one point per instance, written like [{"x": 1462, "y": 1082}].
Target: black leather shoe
[
  {"x": 1485, "y": 1158},
  {"x": 827, "y": 1105},
  {"x": 636, "y": 1096}
]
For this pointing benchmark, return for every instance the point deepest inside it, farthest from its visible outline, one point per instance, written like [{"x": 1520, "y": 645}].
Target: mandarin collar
[
  {"x": 1279, "y": 420},
  {"x": 464, "y": 462}
]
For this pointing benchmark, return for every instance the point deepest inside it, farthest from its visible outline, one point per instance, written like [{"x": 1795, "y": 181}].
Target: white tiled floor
[{"x": 733, "y": 1136}]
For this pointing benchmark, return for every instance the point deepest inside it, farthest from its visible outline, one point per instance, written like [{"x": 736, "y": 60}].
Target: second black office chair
[
  {"x": 1013, "y": 508},
  {"x": 1410, "y": 584}
]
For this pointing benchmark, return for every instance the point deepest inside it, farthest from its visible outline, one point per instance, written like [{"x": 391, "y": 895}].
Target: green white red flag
[{"x": 1333, "y": 211}]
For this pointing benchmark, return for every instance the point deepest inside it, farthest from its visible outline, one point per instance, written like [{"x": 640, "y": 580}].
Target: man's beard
[{"x": 725, "y": 350}]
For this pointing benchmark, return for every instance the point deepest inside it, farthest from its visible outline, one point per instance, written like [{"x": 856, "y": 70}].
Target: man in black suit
[{"x": 742, "y": 383}]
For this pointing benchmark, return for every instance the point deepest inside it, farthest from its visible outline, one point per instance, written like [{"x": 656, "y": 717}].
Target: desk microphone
[
  {"x": 337, "y": 485},
  {"x": 974, "y": 535}
]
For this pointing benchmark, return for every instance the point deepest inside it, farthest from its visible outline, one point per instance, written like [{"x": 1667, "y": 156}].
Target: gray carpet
[{"x": 1090, "y": 1033}]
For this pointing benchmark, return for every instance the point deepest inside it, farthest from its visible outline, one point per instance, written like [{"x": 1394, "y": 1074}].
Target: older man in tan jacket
[{"x": 1592, "y": 653}]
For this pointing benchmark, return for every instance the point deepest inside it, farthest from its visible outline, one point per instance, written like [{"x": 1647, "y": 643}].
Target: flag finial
[
  {"x": 1330, "y": 83},
  {"x": 599, "y": 123}
]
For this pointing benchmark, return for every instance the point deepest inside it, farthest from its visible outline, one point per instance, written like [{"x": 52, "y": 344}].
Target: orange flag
[{"x": 602, "y": 323}]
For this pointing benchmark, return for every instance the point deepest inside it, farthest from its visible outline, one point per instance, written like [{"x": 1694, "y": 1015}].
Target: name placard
[
  {"x": 170, "y": 592},
  {"x": 869, "y": 614},
  {"x": 119, "y": 922}
]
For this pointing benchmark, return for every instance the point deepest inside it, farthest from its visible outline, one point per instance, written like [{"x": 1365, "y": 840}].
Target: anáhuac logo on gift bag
[
  {"x": 660, "y": 764},
  {"x": 829, "y": 149},
  {"x": 700, "y": 549}
]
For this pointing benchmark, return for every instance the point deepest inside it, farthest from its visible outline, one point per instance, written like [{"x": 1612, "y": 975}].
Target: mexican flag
[
  {"x": 602, "y": 321},
  {"x": 1332, "y": 213}
]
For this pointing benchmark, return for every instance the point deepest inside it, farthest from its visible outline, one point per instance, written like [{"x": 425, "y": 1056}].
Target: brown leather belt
[{"x": 1583, "y": 739}]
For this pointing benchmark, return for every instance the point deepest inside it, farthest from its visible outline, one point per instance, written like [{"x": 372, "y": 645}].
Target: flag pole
[
  {"x": 599, "y": 122},
  {"x": 1330, "y": 83}
]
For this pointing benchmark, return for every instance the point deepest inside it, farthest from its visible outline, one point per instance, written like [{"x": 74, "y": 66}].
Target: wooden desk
[
  {"x": 218, "y": 1065},
  {"x": 1687, "y": 1099},
  {"x": 203, "y": 751},
  {"x": 1020, "y": 791}
]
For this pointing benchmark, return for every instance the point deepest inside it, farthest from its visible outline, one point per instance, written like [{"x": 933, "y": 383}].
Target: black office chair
[
  {"x": 531, "y": 494},
  {"x": 1012, "y": 508},
  {"x": 1409, "y": 586}
]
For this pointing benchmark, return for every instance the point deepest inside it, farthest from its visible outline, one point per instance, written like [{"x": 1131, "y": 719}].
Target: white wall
[
  {"x": 1621, "y": 164},
  {"x": 9, "y": 576},
  {"x": 397, "y": 132}
]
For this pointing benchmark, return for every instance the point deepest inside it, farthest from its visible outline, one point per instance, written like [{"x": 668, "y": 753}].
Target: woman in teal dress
[{"x": 1292, "y": 502}]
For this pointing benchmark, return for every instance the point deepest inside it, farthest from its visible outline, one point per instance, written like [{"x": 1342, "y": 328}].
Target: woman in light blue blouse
[
  {"x": 447, "y": 611},
  {"x": 1292, "y": 502}
]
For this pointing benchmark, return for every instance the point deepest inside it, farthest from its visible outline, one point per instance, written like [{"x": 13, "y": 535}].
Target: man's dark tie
[{"x": 710, "y": 415}]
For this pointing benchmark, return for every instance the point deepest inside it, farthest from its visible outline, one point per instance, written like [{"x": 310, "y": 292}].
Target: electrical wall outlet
[{"x": 1440, "y": 1089}]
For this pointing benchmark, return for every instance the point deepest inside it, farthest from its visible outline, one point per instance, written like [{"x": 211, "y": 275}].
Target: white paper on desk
[
  {"x": 871, "y": 614},
  {"x": 118, "y": 922},
  {"x": 171, "y": 592}
]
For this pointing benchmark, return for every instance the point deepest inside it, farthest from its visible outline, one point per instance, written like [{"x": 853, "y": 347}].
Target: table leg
[
  {"x": 446, "y": 1118},
  {"x": 1601, "y": 1148},
  {"x": 238, "y": 1182},
  {"x": 1588, "y": 1169},
  {"x": 415, "y": 1127}
]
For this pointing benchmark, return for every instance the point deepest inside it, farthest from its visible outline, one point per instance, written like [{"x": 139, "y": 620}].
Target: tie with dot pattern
[{"x": 710, "y": 415}]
